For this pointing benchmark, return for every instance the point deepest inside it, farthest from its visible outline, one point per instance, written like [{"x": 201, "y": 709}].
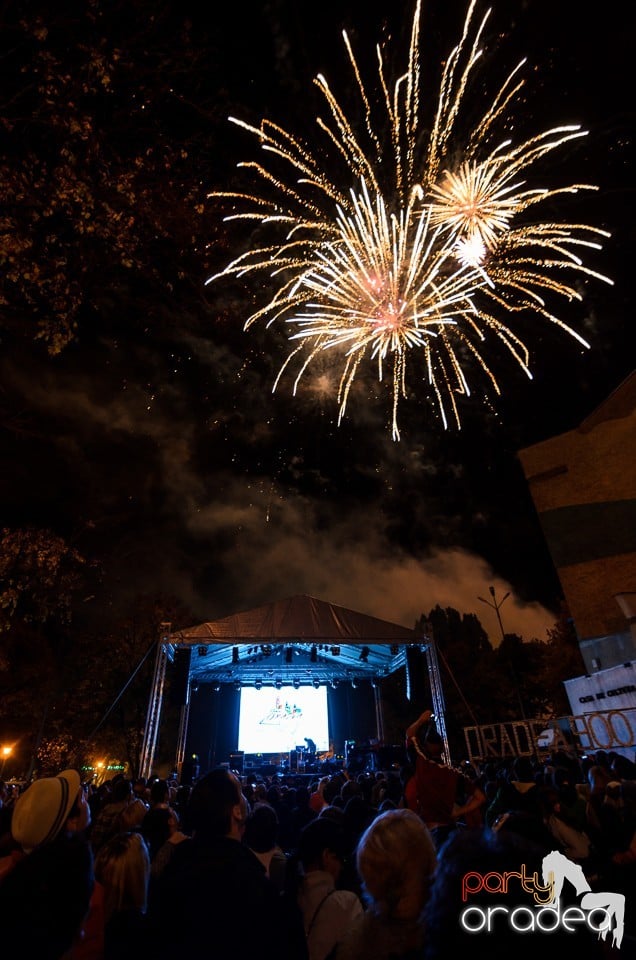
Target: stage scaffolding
[
  {"x": 437, "y": 691},
  {"x": 167, "y": 647},
  {"x": 165, "y": 650}
]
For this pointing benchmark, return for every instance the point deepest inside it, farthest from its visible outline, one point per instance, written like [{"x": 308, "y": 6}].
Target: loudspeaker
[{"x": 180, "y": 676}]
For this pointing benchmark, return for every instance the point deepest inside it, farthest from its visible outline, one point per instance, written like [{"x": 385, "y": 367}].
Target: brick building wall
[{"x": 583, "y": 484}]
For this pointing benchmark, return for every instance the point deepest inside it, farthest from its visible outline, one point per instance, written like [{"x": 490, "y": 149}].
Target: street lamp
[
  {"x": 6, "y": 753},
  {"x": 496, "y": 605}
]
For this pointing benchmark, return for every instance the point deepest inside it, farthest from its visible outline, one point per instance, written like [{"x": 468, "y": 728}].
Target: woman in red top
[{"x": 439, "y": 794}]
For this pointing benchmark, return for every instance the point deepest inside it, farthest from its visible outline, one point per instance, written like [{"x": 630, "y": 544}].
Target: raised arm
[{"x": 415, "y": 726}]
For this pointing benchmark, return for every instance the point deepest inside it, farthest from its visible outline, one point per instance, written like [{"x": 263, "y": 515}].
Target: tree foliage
[
  {"x": 40, "y": 575},
  {"x": 41, "y": 578},
  {"x": 470, "y": 681},
  {"x": 519, "y": 679},
  {"x": 102, "y": 199},
  {"x": 562, "y": 660},
  {"x": 520, "y": 662},
  {"x": 116, "y": 676},
  {"x": 93, "y": 705}
]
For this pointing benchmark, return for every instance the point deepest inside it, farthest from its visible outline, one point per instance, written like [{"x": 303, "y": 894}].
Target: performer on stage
[{"x": 311, "y": 746}]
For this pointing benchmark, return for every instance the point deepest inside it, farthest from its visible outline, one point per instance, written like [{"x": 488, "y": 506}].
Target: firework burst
[{"x": 414, "y": 252}]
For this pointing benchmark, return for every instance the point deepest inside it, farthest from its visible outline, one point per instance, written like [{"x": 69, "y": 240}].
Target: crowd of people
[{"x": 379, "y": 865}]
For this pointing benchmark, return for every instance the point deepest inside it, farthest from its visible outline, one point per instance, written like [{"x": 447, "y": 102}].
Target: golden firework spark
[
  {"x": 419, "y": 249},
  {"x": 383, "y": 287}
]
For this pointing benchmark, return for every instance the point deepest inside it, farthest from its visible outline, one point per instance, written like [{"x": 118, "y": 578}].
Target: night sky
[{"x": 153, "y": 442}]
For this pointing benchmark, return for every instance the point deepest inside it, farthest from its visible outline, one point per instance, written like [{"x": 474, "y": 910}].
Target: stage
[
  {"x": 261, "y": 765},
  {"x": 357, "y": 758}
]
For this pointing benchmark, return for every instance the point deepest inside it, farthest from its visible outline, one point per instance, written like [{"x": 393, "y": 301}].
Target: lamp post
[
  {"x": 496, "y": 606},
  {"x": 6, "y": 753}
]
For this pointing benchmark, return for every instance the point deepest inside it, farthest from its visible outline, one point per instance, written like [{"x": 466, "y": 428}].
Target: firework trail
[{"x": 411, "y": 250}]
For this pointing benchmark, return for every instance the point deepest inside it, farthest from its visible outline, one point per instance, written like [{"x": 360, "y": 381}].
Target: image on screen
[{"x": 276, "y": 721}]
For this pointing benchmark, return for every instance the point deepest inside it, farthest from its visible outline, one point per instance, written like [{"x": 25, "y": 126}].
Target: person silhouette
[{"x": 557, "y": 868}]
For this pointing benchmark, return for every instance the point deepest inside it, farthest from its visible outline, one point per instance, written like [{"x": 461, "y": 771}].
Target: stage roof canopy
[{"x": 297, "y": 641}]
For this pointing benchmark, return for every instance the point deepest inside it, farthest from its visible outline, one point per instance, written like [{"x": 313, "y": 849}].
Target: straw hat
[{"x": 42, "y": 810}]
